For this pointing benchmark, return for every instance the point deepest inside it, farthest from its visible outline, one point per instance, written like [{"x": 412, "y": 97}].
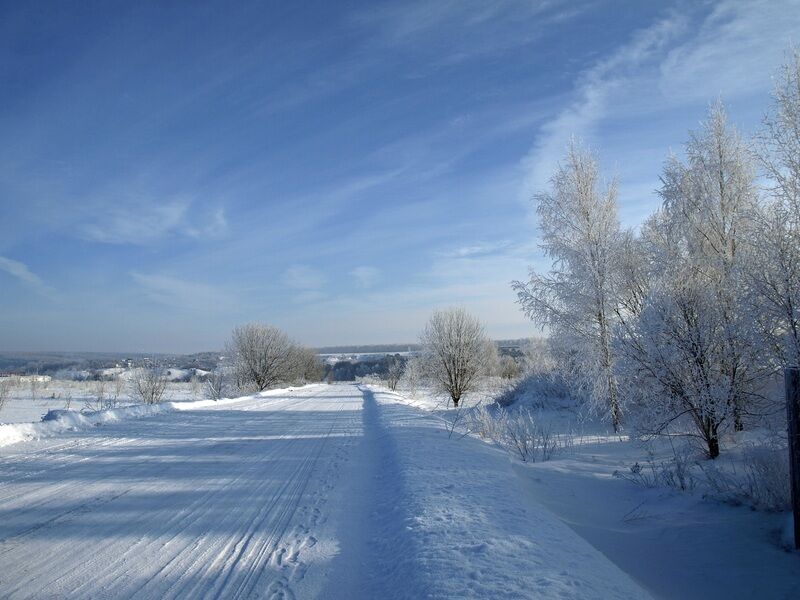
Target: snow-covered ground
[
  {"x": 325, "y": 491},
  {"x": 26, "y": 406},
  {"x": 674, "y": 544}
]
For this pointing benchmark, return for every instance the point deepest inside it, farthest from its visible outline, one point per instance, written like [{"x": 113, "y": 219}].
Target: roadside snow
[
  {"x": 60, "y": 421},
  {"x": 676, "y": 545}
]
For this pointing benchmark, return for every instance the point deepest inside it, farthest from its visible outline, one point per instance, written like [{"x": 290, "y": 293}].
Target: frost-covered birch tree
[
  {"x": 580, "y": 232},
  {"x": 693, "y": 351},
  {"x": 775, "y": 266}
]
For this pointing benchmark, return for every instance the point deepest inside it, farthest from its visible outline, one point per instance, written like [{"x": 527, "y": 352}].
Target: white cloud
[
  {"x": 24, "y": 274},
  {"x": 478, "y": 249},
  {"x": 454, "y": 31},
  {"x": 365, "y": 276},
  {"x": 729, "y": 52},
  {"x": 182, "y": 294},
  {"x": 735, "y": 51},
  {"x": 302, "y": 277},
  {"x": 594, "y": 88},
  {"x": 145, "y": 222}
]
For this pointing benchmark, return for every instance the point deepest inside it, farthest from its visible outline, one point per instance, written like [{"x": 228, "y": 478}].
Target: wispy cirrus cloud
[
  {"x": 303, "y": 277},
  {"x": 182, "y": 294},
  {"x": 455, "y": 31},
  {"x": 365, "y": 276},
  {"x": 22, "y": 273},
  {"x": 146, "y": 222},
  {"x": 683, "y": 59},
  {"x": 594, "y": 88},
  {"x": 478, "y": 249}
]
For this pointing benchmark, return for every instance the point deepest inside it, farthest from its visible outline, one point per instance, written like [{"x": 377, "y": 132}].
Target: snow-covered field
[
  {"x": 350, "y": 491},
  {"x": 26, "y": 406}
]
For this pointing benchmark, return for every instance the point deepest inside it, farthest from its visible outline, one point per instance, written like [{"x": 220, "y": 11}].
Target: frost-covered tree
[
  {"x": 394, "y": 372},
  {"x": 775, "y": 266},
  {"x": 456, "y": 352},
  {"x": 262, "y": 356},
  {"x": 575, "y": 299},
  {"x": 693, "y": 351},
  {"x": 307, "y": 366},
  {"x": 413, "y": 374},
  {"x": 508, "y": 368}
]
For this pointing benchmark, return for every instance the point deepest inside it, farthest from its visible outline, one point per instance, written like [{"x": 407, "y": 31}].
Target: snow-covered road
[
  {"x": 215, "y": 502},
  {"x": 322, "y": 491}
]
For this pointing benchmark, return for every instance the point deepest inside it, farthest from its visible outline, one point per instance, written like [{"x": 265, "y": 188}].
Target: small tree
[
  {"x": 456, "y": 351},
  {"x": 148, "y": 384},
  {"x": 97, "y": 399},
  {"x": 263, "y": 356},
  {"x": 509, "y": 368},
  {"x": 308, "y": 366},
  {"x": 413, "y": 373},
  {"x": 394, "y": 373},
  {"x": 216, "y": 383},
  {"x": 6, "y": 385}
]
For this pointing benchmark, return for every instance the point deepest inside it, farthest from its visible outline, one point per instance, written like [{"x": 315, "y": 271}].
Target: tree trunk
[
  {"x": 713, "y": 446},
  {"x": 455, "y": 402}
]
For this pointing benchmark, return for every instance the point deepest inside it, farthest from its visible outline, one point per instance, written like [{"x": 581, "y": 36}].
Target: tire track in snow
[{"x": 163, "y": 552}]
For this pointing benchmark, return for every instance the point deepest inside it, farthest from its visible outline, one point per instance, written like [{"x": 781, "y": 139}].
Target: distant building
[{"x": 34, "y": 378}]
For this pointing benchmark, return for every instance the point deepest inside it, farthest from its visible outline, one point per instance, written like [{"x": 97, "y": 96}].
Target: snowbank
[{"x": 60, "y": 421}]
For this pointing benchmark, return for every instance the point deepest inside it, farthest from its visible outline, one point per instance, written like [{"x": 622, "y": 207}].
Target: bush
[{"x": 761, "y": 481}]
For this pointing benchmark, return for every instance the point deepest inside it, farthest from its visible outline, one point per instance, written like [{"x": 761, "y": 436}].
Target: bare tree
[
  {"x": 456, "y": 351},
  {"x": 263, "y": 356},
  {"x": 576, "y": 300},
  {"x": 6, "y": 385},
  {"x": 217, "y": 382},
  {"x": 117, "y": 387},
  {"x": 33, "y": 384},
  {"x": 97, "y": 399},
  {"x": 148, "y": 384}
]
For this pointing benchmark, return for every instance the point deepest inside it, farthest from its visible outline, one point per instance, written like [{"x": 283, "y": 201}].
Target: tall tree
[
  {"x": 693, "y": 351},
  {"x": 775, "y": 267},
  {"x": 575, "y": 300}
]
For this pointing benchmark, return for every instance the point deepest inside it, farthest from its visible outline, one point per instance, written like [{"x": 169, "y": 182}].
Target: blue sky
[{"x": 338, "y": 169}]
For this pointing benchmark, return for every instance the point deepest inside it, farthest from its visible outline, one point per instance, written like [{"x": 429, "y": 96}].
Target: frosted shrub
[
  {"x": 488, "y": 425},
  {"x": 521, "y": 434},
  {"x": 673, "y": 473},
  {"x": 761, "y": 481},
  {"x": 766, "y": 481}
]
